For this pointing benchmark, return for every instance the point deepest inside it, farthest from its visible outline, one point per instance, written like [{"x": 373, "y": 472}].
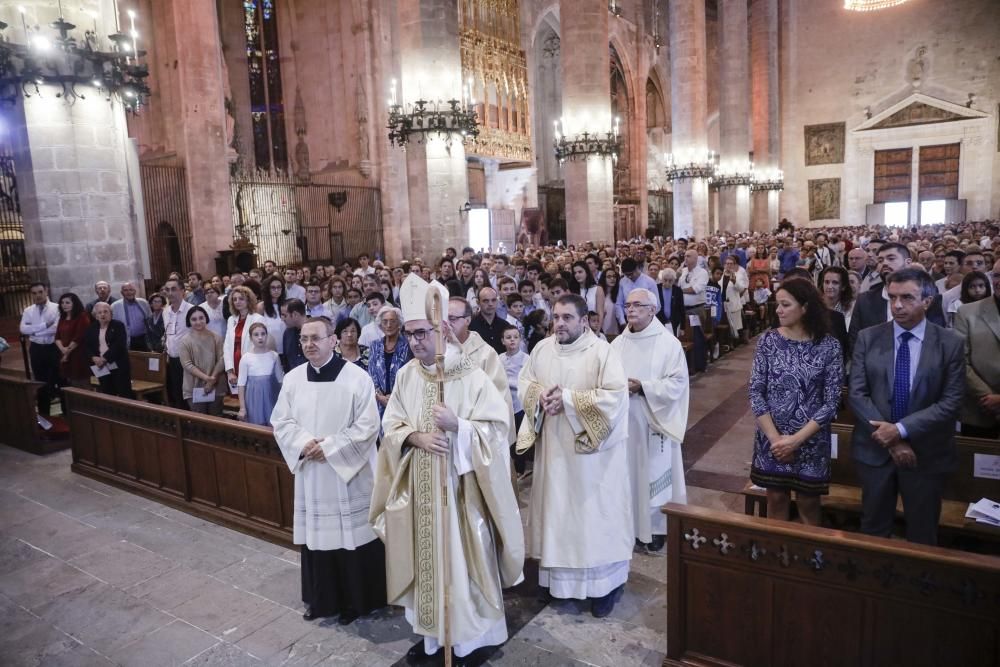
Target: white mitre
[{"x": 413, "y": 298}]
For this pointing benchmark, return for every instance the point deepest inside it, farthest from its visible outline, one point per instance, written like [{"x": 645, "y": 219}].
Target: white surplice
[
  {"x": 332, "y": 497},
  {"x": 580, "y": 514},
  {"x": 657, "y": 421}
]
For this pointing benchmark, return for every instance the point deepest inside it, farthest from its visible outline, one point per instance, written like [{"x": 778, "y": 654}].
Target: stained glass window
[{"x": 267, "y": 110}]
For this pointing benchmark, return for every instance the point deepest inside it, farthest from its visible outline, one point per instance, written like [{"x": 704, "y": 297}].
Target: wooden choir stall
[{"x": 744, "y": 590}]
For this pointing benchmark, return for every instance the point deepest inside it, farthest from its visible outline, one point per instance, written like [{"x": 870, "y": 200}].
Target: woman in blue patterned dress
[
  {"x": 387, "y": 355},
  {"x": 795, "y": 389}
]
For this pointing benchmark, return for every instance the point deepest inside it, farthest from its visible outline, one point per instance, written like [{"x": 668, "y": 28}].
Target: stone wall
[
  {"x": 73, "y": 183},
  {"x": 836, "y": 64}
]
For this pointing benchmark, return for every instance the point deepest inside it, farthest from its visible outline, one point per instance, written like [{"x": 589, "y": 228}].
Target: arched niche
[{"x": 546, "y": 97}]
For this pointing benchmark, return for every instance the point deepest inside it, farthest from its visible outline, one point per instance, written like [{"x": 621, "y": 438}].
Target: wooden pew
[
  {"x": 149, "y": 374},
  {"x": 747, "y": 591},
  {"x": 18, "y": 416},
  {"x": 961, "y": 488},
  {"x": 223, "y": 471}
]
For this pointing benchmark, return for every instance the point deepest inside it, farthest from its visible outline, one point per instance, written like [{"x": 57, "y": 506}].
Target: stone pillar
[
  {"x": 71, "y": 162},
  {"x": 734, "y": 111},
  {"x": 764, "y": 105},
  {"x": 689, "y": 111},
  {"x": 436, "y": 175},
  {"x": 586, "y": 106},
  {"x": 202, "y": 125}
]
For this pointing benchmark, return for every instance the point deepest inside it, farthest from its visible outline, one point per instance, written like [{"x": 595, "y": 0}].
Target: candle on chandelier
[{"x": 392, "y": 93}]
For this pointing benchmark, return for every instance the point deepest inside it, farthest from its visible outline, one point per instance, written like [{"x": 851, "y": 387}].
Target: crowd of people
[{"x": 563, "y": 363}]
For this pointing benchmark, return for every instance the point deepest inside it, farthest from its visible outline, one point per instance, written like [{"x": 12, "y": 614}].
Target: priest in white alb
[
  {"x": 326, "y": 424},
  {"x": 466, "y": 435},
  {"x": 657, "y": 416},
  {"x": 481, "y": 354},
  {"x": 575, "y": 399}
]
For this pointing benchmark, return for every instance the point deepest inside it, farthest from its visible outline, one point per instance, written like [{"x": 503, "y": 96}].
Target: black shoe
[
  {"x": 601, "y": 607},
  {"x": 640, "y": 547},
  {"x": 308, "y": 615},
  {"x": 347, "y": 617},
  {"x": 657, "y": 543},
  {"x": 544, "y": 596}
]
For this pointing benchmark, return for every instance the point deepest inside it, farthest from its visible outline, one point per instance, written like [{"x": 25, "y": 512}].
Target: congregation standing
[{"x": 340, "y": 361}]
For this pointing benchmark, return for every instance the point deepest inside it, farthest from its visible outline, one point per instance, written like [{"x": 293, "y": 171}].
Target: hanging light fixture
[
  {"x": 61, "y": 60},
  {"x": 870, "y": 5}
]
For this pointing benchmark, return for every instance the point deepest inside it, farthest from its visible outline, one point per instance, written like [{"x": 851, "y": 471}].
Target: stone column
[
  {"x": 586, "y": 106},
  {"x": 202, "y": 125},
  {"x": 689, "y": 111},
  {"x": 734, "y": 111},
  {"x": 436, "y": 175},
  {"x": 72, "y": 168},
  {"x": 764, "y": 105}
]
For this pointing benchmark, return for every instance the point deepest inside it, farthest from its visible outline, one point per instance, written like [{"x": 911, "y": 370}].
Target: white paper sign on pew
[
  {"x": 833, "y": 445},
  {"x": 986, "y": 466}
]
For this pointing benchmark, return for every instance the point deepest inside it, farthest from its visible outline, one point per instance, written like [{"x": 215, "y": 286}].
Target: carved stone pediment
[
  {"x": 920, "y": 109},
  {"x": 918, "y": 113}
]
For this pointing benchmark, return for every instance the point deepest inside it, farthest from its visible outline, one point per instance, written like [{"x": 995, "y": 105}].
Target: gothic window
[
  {"x": 655, "y": 116},
  {"x": 267, "y": 110}
]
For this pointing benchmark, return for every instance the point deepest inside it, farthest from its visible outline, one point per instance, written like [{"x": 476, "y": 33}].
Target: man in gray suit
[
  {"x": 979, "y": 325},
  {"x": 132, "y": 311},
  {"x": 906, "y": 388}
]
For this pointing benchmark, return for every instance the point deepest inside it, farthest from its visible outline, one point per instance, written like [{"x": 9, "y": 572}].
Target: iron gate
[
  {"x": 168, "y": 222},
  {"x": 290, "y": 222},
  {"x": 14, "y": 277}
]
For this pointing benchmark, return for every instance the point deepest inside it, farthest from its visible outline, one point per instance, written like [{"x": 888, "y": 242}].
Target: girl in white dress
[
  {"x": 259, "y": 379},
  {"x": 588, "y": 288}
]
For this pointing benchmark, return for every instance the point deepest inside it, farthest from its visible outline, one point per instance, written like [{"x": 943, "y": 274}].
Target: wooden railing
[
  {"x": 224, "y": 471},
  {"x": 747, "y": 591},
  {"x": 18, "y": 415}
]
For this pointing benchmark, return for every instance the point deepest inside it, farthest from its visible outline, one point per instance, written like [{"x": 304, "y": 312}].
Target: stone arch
[
  {"x": 657, "y": 102},
  {"x": 168, "y": 250},
  {"x": 623, "y": 107}
]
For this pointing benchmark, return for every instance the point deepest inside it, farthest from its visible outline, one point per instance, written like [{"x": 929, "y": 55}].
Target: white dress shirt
[
  {"x": 175, "y": 326},
  {"x": 696, "y": 279},
  {"x": 39, "y": 323}
]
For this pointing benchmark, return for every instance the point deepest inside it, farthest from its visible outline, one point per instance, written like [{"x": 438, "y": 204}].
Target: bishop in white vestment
[
  {"x": 326, "y": 424},
  {"x": 466, "y": 436},
  {"x": 657, "y": 416},
  {"x": 575, "y": 400}
]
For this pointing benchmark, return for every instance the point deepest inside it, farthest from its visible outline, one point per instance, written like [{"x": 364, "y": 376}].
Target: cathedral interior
[{"x": 141, "y": 137}]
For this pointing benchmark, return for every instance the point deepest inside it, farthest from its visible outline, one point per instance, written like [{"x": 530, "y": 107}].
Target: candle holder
[
  {"x": 71, "y": 65},
  {"x": 692, "y": 167},
  {"x": 732, "y": 177},
  {"x": 585, "y": 145},
  {"x": 768, "y": 180},
  {"x": 417, "y": 120}
]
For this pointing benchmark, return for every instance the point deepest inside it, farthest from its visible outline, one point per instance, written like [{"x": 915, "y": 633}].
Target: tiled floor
[{"x": 91, "y": 575}]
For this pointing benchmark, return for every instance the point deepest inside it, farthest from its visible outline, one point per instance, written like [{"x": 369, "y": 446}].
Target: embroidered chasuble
[
  {"x": 486, "y": 542},
  {"x": 485, "y": 357},
  {"x": 657, "y": 421},
  {"x": 341, "y": 558},
  {"x": 580, "y": 513}
]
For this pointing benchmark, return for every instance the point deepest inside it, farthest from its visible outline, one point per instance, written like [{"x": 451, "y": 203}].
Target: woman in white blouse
[
  {"x": 588, "y": 288},
  {"x": 243, "y": 306}
]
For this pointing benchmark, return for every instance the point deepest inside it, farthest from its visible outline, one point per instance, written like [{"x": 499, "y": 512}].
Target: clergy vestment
[
  {"x": 486, "y": 542},
  {"x": 657, "y": 420},
  {"x": 483, "y": 356},
  {"x": 580, "y": 514},
  {"x": 342, "y": 561}
]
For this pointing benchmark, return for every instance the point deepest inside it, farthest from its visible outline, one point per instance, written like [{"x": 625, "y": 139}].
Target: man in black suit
[
  {"x": 906, "y": 388},
  {"x": 872, "y": 307}
]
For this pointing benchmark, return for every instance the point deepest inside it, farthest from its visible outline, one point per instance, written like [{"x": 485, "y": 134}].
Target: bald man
[{"x": 132, "y": 311}]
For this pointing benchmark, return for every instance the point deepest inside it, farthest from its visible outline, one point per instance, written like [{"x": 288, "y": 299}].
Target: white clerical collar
[{"x": 320, "y": 367}]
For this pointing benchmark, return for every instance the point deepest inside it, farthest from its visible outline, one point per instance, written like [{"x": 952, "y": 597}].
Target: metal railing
[{"x": 289, "y": 221}]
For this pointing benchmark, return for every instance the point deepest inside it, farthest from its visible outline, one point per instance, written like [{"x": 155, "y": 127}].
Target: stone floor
[{"x": 91, "y": 575}]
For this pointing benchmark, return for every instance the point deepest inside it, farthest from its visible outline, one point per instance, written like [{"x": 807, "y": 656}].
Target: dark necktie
[{"x": 901, "y": 384}]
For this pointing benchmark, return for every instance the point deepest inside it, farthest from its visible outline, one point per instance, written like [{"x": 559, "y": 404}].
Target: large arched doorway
[{"x": 167, "y": 250}]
